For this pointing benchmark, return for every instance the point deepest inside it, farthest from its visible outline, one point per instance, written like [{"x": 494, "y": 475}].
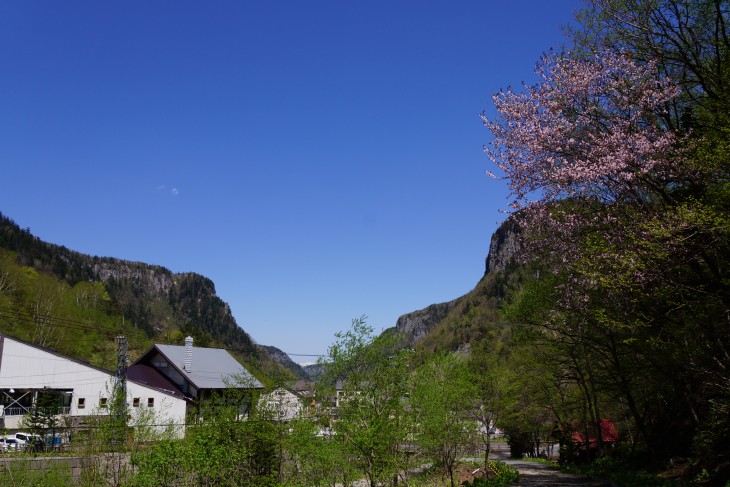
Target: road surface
[{"x": 533, "y": 474}]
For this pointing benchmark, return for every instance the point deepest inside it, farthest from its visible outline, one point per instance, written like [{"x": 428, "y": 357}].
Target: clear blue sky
[{"x": 318, "y": 161}]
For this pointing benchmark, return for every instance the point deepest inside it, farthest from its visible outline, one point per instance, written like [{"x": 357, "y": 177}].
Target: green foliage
[
  {"x": 441, "y": 404},
  {"x": 320, "y": 459},
  {"x": 160, "y": 465},
  {"x": 615, "y": 470},
  {"x": 226, "y": 449},
  {"x": 373, "y": 375},
  {"x": 23, "y": 472}
]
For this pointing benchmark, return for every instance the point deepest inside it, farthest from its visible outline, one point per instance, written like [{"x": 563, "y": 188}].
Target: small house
[{"x": 282, "y": 404}]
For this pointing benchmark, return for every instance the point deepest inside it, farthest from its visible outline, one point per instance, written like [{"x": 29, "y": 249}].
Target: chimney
[{"x": 188, "y": 366}]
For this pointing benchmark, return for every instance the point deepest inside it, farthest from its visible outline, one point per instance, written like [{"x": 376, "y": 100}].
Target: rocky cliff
[
  {"x": 415, "y": 326},
  {"x": 503, "y": 247}
]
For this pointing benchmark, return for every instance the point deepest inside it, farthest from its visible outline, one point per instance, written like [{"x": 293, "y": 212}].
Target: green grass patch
[
  {"x": 542, "y": 461},
  {"x": 618, "y": 472}
]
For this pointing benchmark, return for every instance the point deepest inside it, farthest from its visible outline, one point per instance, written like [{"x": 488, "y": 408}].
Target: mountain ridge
[{"x": 159, "y": 303}]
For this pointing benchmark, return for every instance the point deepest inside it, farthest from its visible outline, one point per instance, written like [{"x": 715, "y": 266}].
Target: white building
[
  {"x": 282, "y": 404},
  {"x": 82, "y": 390}
]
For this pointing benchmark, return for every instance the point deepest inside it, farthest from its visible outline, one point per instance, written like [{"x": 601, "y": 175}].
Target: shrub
[{"x": 503, "y": 474}]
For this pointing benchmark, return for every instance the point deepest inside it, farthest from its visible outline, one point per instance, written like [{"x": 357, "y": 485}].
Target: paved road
[{"x": 534, "y": 474}]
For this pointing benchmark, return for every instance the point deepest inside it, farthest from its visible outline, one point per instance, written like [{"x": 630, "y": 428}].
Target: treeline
[
  {"x": 74, "y": 320},
  {"x": 49, "y": 288}
]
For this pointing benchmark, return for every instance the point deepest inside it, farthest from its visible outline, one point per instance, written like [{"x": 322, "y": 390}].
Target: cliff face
[
  {"x": 415, "y": 326},
  {"x": 503, "y": 247},
  {"x": 458, "y": 320},
  {"x": 152, "y": 279}
]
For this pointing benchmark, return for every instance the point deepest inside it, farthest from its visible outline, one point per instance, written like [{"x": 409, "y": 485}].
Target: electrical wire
[{"x": 75, "y": 325}]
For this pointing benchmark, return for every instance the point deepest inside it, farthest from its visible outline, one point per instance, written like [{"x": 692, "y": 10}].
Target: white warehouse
[{"x": 82, "y": 390}]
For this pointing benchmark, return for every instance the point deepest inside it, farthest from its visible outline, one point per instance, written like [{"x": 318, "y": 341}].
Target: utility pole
[
  {"x": 122, "y": 365},
  {"x": 119, "y": 400}
]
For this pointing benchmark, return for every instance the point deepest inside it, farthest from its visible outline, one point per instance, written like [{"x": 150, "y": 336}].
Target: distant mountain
[
  {"x": 313, "y": 371},
  {"x": 284, "y": 359},
  {"x": 457, "y": 324},
  {"x": 150, "y": 301}
]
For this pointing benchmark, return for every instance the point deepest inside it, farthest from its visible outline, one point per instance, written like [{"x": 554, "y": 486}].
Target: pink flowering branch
[{"x": 590, "y": 128}]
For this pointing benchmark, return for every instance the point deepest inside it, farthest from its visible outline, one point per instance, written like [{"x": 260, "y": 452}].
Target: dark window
[
  {"x": 135, "y": 402},
  {"x": 82, "y": 403},
  {"x": 150, "y": 402},
  {"x": 102, "y": 402}
]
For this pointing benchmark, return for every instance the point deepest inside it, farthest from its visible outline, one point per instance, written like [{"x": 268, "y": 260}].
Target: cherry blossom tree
[
  {"x": 615, "y": 198},
  {"x": 591, "y": 128},
  {"x": 585, "y": 151}
]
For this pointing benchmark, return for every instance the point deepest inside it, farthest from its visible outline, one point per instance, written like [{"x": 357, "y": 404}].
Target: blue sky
[{"x": 318, "y": 161}]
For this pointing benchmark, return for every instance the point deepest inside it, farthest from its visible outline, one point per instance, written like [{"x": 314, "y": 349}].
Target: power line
[
  {"x": 59, "y": 322},
  {"x": 75, "y": 325}
]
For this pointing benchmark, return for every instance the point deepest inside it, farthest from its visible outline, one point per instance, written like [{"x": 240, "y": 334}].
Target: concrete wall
[{"x": 76, "y": 465}]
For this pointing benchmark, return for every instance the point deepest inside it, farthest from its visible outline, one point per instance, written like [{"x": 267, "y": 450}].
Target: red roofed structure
[{"x": 608, "y": 435}]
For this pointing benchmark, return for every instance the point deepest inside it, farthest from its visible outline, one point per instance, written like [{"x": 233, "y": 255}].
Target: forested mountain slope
[{"x": 48, "y": 293}]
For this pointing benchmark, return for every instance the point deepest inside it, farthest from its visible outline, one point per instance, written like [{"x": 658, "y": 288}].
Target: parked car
[
  {"x": 8, "y": 444},
  {"x": 26, "y": 441}
]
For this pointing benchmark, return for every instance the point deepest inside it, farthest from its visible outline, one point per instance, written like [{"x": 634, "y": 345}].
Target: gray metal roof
[{"x": 212, "y": 368}]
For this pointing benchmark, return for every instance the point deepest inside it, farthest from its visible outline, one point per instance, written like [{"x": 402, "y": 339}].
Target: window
[
  {"x": 150, "y": 402},
  {"x": 135, "y": 402},
  {"x": 102, "y": 402},
  {"x": 82, "y": 403}
]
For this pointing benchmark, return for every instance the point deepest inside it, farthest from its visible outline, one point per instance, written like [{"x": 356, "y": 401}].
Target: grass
[
  {"x": 619, "y": 473},
  {"x": 548, "y": 463}
]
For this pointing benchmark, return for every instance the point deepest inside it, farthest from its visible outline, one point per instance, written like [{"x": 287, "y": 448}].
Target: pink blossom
[{"x": 590, "y": 128}]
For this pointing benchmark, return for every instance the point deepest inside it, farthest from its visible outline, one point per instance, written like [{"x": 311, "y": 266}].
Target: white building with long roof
[{"x": 82, "y": 389}]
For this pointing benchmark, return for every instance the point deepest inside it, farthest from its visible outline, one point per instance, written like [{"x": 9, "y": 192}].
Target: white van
[
  {"x": 8, "y": 444},
  {"x": 24, "y": 440}
]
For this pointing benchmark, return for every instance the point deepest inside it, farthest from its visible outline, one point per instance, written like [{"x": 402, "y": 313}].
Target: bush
[{"x": 503, "y": 474}]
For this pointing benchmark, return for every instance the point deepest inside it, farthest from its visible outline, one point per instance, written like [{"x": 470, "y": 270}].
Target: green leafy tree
[
  {"x": 319, "y": 458},
  {"x": 370, "y": 415},
  {"x": 492, "y": 386},
  {"x": 441, "y": 404},
  {"x": 225, "y": 448}
]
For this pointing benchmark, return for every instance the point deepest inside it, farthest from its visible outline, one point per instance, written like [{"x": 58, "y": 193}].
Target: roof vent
[{"x": 188, "y": 366}]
